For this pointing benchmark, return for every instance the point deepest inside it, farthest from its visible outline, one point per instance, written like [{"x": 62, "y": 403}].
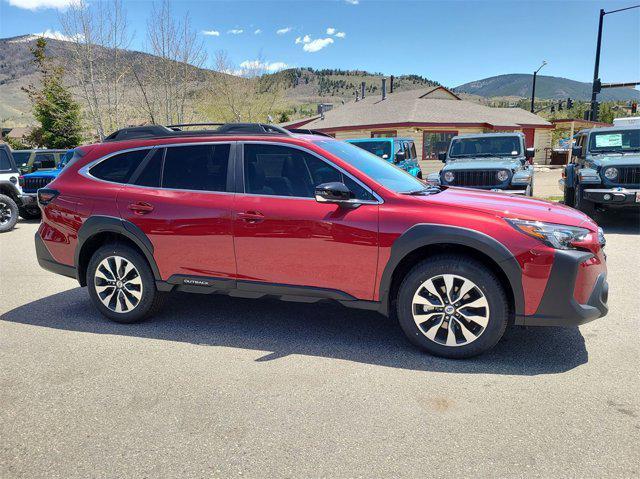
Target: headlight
[
  {"x": 502, "y": 175},
  {"x": 611, "y": 173},
  {"x": 551, "y": 234},
  {"x": 449, "y": 176}
]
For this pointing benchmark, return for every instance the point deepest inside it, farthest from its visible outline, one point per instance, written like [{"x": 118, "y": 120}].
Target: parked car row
[
  {"x": 22, "y": 173},
  {"x": 253, "y": 210}
]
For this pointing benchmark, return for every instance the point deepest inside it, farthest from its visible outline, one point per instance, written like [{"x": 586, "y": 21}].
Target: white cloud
[
  {"x": 353, "y": 2},
  {"x": 56, "y": 35},
  {"x": 331, "y": 31},
  {"x": 305, "y": 39},
  {"x": 255, "y": 65},
  {"x": 235, "y": 31},
  {"x": 340, "y": 34},
  {"x": 211, "y": 33},
  {"x": 317, "y": 45},
  {"x": 257, "y": 31},
  {"x": 39, "y": 4},
  {"x": 282, "y": 31}
]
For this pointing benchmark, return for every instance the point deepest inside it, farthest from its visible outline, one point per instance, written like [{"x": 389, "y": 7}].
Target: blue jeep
[
  {"x": 31, "y": 182},
  {"x": 399, "y": 151},
  {"x": 488, "y": 161},
  {"x": 604, "y": 172}
]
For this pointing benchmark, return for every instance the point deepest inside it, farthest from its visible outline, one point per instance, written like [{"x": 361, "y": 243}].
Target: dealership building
[{"x": 431, "y": 117}]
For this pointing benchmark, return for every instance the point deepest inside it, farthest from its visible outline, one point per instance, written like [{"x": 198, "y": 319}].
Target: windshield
[
  {"x": 614, "y": 141},
  {"x": 377, "y": 147},
  {"x": 381, "y": 171},
  {"x": 21, "y": 157},
  {"x": 487, "y": 146}
]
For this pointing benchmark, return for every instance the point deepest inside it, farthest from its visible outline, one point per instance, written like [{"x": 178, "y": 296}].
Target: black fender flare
[
  {"x": 426, "y": 234},
  {"x": 14, "y": 193},
  {"x": 570, "y": 175},
  {"x": 110, "y": 224}
]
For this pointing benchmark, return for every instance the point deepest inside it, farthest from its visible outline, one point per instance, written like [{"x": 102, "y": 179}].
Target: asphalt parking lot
[{"x": 223, "y": 387}]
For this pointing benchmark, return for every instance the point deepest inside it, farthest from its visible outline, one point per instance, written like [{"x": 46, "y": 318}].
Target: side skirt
[{"x": 255, "y": 289}]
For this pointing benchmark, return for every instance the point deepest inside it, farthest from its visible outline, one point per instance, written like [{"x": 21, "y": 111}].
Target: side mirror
[
  {"x": 442, "y": 156},
  {"x": 399, "y": 157},
  {"x": 334, "y": 192},
  {"x": 576, "y": 151},
  {"x": 529, "y": 153}
]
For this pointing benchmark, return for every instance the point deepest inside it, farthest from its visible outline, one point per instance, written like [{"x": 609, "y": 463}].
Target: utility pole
[
  {"x": 595, "y": 89},
  {"x": 533, "y": 89}
]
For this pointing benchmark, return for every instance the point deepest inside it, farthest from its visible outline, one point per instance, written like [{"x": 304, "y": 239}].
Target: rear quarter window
[{"x": 120, "y": 167}]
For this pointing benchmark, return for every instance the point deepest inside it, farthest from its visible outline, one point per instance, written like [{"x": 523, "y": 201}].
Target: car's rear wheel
[
  {"x": 121, "y": 284},
  {"x": 453, "y": 307},
  {"x": 8, "y": 213}
]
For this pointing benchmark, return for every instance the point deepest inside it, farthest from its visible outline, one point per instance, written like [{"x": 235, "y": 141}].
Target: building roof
[{"x": 434, "y": 106}]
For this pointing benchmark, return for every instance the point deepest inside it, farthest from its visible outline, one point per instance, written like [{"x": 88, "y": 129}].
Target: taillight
[
  {"x": 46, "y": 196},
  {"x": 21, "y": 180}
]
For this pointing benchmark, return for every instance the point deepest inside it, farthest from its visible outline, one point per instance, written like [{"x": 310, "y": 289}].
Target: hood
[
  {"x": 489, "y": 163},
  {"x": 629, "y": 159},
  {"x": 511, "y": 206},
  {"x": 43, "y": 174}
]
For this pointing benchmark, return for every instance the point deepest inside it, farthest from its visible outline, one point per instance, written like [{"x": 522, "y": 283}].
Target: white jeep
[{"x": 9, "y": 190}]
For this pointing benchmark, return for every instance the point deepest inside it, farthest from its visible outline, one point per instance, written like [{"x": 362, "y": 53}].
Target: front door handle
[
  {"x": 251, "y": 216},
  {"x": 140, "y": 208}
]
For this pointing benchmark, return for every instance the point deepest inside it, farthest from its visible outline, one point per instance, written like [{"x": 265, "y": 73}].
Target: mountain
[
  {"x": 304, "y": 87},
  {"x": 547, "y": 87}
]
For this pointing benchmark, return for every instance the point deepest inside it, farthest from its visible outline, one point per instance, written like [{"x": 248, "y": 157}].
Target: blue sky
[{"x": 452, "y": 42}]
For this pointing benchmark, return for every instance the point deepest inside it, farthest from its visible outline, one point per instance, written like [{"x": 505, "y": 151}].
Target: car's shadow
[{"x": 323, "y": 329}]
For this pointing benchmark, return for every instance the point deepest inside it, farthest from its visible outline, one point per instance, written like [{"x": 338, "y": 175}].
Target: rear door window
[
  {"x": 119, "y": 168},
  {"x": 199, "y": 167}
]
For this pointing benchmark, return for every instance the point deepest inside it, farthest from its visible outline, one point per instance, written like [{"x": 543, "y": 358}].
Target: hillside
[
  {"x": 547, "y": 87},
  {"x": 304, "y": 87}
]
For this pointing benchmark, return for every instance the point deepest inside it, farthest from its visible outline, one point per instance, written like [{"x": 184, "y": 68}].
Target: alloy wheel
[
  {"x": 118, "y": 284},
  {"x": 450, "y": 310},
  {"x": 5, "y": 213}
]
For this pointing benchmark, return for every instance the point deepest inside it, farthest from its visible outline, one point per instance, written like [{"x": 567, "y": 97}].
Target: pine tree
[{"x": 53, "y": 106}]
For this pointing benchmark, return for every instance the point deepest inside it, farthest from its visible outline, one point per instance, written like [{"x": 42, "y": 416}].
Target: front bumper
[
  {"x": 558, "y": 306},
  {"x": 613, "y": 196},
  {"x": 29, "y": 199}
]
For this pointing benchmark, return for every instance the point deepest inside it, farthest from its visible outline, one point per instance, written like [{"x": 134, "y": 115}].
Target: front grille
[
  {"x": 31, "y": 185},
  {"x": 475, "y": 178},
  {"x": 629, "y": 175}
]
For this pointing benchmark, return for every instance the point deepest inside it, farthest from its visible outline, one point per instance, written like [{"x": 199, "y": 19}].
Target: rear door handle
[
  {"x": 141, "y": 208},
  {"x": 251, "y": 216}
]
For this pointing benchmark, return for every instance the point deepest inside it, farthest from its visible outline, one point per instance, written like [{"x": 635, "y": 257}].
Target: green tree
[
  {"x": 53, "y": 105},
  {"x": 284, "y": 117}
]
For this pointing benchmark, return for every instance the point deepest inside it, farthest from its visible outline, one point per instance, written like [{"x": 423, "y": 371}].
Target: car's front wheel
[
  {"x": 8, "y": 213},
  {"x": 121, "y": 284},
  {"x": 30, "y": 213},
  {"x": 453, "y": 307}
]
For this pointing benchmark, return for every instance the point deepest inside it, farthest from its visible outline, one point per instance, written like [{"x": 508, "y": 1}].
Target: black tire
[
  {"x": 586, "y": 206},
  {"x": 151, "y": 299},
  {"x": 482, "y": 277},
  {"x": 29, "y": 213},
  {"x": 529, "y": 191},
  {"x": 8, "y": 213},
  {"x": 569, "y": 196}
]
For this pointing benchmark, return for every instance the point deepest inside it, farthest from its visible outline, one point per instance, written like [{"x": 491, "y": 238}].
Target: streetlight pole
[
  {"x": 595, "y": 89},
  {"x": 533, "y": 89}
]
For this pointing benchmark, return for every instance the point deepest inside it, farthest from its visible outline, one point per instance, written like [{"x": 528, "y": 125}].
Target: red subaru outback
[{"x": 254, "y": 210}]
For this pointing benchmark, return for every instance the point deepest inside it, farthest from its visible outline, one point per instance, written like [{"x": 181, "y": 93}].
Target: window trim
[
  {"x": 240, "y": 186},
  {"x": 84, "y": 171}
]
